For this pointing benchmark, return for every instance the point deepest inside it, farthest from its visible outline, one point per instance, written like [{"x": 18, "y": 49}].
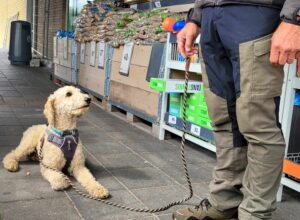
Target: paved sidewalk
[{"x": 138, "y": 169}]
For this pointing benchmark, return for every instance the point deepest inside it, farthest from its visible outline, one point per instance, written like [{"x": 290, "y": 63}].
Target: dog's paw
[
  {"x": 60, "y": 184},
  {"x": 99, "y": 192},
  {"x": 10, "y": 164}
]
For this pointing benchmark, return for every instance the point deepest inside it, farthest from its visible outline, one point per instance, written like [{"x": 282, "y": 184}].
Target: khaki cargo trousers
[{"x": 243, "y": 91}]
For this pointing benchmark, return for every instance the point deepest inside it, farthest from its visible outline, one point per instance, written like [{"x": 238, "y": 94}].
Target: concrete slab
[
  {"x": 135, "y": 178},
  {"x": 50, "y": 209},
  {"x": 94, "y": 210}
]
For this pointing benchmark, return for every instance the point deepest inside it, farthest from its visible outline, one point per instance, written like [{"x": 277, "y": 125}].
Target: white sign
[
  {"x": 172, "y": 120},
  {"x": 195, "y": 130},
  {"x": 126, "y": 58},
  {"x": 101, "y": 51},
  {"x": 93, "y": 53},
  {"x": 65, "y": 40},
  {"x": 157, "y": 4},
  {"x": 174, "y": 85},
  {"x": 82, "y": 53},
  {"x": 55, "y": 47},
  {"x": 134, "y": 6}
]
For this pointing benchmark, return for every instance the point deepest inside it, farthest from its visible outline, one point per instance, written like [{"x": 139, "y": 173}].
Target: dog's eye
[{"x": 69, "y": 94}]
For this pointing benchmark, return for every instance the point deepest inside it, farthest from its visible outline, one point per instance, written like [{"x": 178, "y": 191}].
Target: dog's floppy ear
[{"x": 49, "y": 110}]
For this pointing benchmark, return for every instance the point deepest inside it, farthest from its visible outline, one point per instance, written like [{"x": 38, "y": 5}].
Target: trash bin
[{"x": 20, "y": 43}]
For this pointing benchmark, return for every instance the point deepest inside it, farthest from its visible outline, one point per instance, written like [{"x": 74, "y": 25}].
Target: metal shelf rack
[
  {"x": 173, "y": 63},
  {"x": 291, "y": 84}
]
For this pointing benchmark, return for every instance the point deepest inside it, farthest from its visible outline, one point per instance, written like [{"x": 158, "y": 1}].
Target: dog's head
[{"x": 67, "y": 101}]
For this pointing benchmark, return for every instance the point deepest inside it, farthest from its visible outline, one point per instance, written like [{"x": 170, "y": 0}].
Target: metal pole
[{"x": 46, "y": 28}]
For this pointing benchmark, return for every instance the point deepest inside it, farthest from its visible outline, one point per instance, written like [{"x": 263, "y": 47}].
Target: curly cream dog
[{"x": 62, "y": 110}]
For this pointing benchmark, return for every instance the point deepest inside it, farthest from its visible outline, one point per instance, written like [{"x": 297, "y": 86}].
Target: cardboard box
[
  {"x": 62, "y": 72},
  {"x": 203, "y": 122},
  {"x": 138, "y": 99},
  {"x": 92, "y": 77}
]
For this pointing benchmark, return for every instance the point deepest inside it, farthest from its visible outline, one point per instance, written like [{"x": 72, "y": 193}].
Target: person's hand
[
  {"x": 186, "y": 38},
  {"x": 285, "y": 44}
]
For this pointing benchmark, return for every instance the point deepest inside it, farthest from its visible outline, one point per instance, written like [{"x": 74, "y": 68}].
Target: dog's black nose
[{"x": 88, "y": 100}]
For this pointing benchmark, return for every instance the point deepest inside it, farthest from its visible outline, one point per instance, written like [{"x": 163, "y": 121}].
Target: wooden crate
[
  {"x": 63, "y": 61},
  {"x": 58, "y": 57},
  {"x": 63, "y": 73},
  {"x": 92, "y": 78},
  {"x": 132, "y": 91}
]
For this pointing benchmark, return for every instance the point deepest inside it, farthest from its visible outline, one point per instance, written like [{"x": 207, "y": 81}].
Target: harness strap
[{"x": 67, "y": 144}]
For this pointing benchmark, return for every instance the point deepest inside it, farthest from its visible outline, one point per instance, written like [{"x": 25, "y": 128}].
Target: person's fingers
[
  {"x": 283, "y": 56},
  {"x": 189, "y": 43},
  {"x": 193, "y": 51},
  {"x": 291, "y": 57},
  {"x": 181, "y": 44},
  {"x": 274, "y": 56}
]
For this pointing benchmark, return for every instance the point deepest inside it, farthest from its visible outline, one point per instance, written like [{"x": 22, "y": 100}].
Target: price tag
[
  {"x": 126, "y": 58},
  {"x": 172, "y": 120},
  {"x": 157, "y": 4},
  {"x": 101, "y": 52},
  {"x": 93, "y": 53},
  {"x": 195, "y": 130},
  {"x": 82, "y": 53}
]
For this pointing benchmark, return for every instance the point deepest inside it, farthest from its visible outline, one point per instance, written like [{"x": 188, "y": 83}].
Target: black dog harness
[{"x": 67, "y": 141}]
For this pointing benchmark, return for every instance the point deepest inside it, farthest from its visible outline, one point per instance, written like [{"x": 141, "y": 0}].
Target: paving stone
[
  {"x": 135, "y": 178},
  {"x": 169, "y": 158},
  {"x": 24, "y": 166},
  {"x": 105, "y": 147},
  {"x": 5, "y": 108},
  {"x": 27, "y": 188},
  {"x": 161, "y": 196},
  {"x": 201, "y": 189},
  {"x": 166, "y": 216},
  {"x": 198, "y": 172},
  {"x": 10, "y": 140},
  {"x": 148, "y": 146},
  {"x": 94, "y": 210},
  {"x": 121, "y": 161},
  {"x": 7, "y": 88},
  {"x": 14, "y": 101},
  {"x": 3, "y": 79},
  {"x": 32, "y": 121},
  {"x": 9, "y": 93},
  {"x": 6, "y": 114},
  {"x": 6, "y": 130},
  {"x": 113, "y": 127},
  {"x": 97, "y": 138},
  {"x": 101, "y": 175},
  {"x": 130, "y": 134},
  {"x": 5, "y": 83},
  {"x": 203, "y": 154},
  {"x": 144, "y": 218},
  {"x": 29, "y": 91},
  {"x": 50, "y": 209}
]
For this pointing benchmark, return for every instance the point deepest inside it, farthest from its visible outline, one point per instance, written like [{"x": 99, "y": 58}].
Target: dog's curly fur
[{"x": 62, "y": 110}]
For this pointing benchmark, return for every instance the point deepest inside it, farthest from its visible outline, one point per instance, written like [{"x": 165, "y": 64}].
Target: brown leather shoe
[{"x": 204, "y": 211}]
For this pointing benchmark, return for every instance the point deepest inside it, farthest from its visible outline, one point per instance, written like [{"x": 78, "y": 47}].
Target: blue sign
[{"x": 297, "y": 98}]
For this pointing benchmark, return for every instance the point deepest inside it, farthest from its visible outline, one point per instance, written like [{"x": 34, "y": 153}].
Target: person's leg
[
  {"x": 258, "y": 119},
  {"x": 225, "y": 194},
  {"x": 231, "y": 147},
  {"x": 245, "y": 33}
]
